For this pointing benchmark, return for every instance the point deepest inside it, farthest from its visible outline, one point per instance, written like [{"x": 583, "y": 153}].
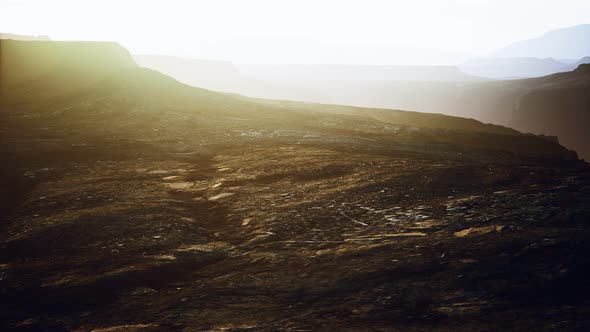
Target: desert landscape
[{"x": 131, "y": 201}]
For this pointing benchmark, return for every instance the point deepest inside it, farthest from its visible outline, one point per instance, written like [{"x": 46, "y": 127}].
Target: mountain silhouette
[
  {"x": 567, "y": 43},
  {"x": 354, "y": 73},
  {"x": 582, "y": 61},
  {"x": 209, "y": 74},
  {"x": 510, "y": 68}
]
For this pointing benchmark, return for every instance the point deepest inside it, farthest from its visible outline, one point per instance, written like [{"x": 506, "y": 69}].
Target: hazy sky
[{"x": 297, "y": 31}]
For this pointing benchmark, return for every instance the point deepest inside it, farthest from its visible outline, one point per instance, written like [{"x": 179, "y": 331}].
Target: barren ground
[{"x": 251, "y": 232}]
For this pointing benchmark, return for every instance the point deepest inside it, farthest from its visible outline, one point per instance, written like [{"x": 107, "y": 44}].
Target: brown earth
[{"x": 295, "y": 235}]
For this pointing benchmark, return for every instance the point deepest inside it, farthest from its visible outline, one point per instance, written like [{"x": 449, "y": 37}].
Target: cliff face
[{"x": 561, "y": 109}]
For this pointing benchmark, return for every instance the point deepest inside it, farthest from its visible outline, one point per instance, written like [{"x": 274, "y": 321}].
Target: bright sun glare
[{"x": 369, "y": 31}]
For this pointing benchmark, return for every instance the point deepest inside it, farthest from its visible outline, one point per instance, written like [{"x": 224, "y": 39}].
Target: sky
[{"x": 298, "y": 31}]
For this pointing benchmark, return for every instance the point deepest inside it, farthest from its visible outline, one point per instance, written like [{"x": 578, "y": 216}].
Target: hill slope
[
  {"x": 111, "y": 76},
  {"x": 487, "y": 101},
  {"x": 38, "y": 68}
]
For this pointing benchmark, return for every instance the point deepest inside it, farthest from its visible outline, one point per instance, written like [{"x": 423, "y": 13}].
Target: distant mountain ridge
[
  {"x": 209, "y": 74},
  {"x": 584, "y": 60},
  {"x": 509, "y": 68},
  {"x": 318, "y": 72},
  {"x": 572, "y": 42},
  {"x": 535, "y": 57}
]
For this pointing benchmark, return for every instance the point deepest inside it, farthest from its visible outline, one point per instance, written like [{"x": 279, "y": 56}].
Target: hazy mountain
[
  {"x": 508, "y": 102},
  {"x": 582, "y": 61},
  {"x": 452, "y": 93},
  {"x": 72, "y": 66},
  {"x": 208, "y": 74},
  {"x": 572, "y": 42},
  {"x": 70, "y": 74},
  {"x": 553, "y": 105},
  {"x": 535, "y": 57},
  {"x": 353, "y": 73},
  {"x": 506, "y": 68},
  {"x": 315, "y": 83}
]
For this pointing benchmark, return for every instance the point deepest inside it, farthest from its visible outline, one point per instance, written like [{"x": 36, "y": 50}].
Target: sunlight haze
[{"x": 264, "y": 31}]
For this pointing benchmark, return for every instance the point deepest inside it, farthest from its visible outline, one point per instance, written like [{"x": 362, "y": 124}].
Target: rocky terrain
[{"x": 131, "y": 202}]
